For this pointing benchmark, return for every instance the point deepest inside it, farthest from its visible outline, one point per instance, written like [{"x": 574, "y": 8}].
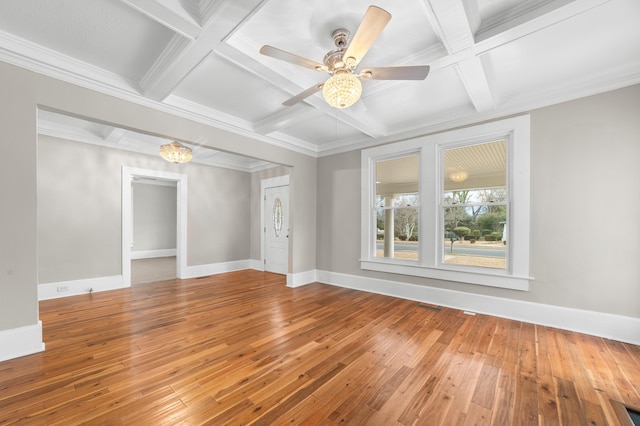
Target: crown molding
[{"x": 20, "y": 52}]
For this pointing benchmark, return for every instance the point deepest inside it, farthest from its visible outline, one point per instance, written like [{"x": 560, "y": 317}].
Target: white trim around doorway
[{"x": 128, "y": 173}]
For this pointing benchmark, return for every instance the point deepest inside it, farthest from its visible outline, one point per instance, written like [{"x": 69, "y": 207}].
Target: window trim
[{"x": 517, "y": 132}]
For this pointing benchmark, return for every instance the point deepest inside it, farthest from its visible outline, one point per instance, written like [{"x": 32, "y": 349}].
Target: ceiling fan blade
[
  {"x": 274, "y": 52},
  {"x": 418, "y": 72},
  {"x": 369, "y": 30},
  {"x": 301, "y": 96}
]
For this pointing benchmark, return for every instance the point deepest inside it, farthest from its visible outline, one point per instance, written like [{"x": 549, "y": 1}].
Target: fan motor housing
[{"x": 333, "y": 59}]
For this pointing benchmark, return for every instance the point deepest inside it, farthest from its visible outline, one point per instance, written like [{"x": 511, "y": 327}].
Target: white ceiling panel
[
  {"x": 324, "y": 129},
  {"x": 103, "y": 33},
  {"x": 226, "y": 87},
  {"x": 559, "y": 57},
  {"x": 416, "y": 101}
]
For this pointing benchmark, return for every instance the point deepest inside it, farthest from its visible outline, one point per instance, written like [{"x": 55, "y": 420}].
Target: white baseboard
[
  {"x": 302, "y": 278},
  {"x": 616, "y": 327},
  {"x": 75, "y": 287},
  {"x": 21, "y": 341},
  {"x": 150, "y": 254},
  {"x": 216, "y": 268},
  {"x": 258, "y": 265}
]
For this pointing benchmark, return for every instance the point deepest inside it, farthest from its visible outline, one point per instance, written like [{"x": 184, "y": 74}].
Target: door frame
[
  {"x": 128, "y": 173},
  {"x": 264, "y": 185}
]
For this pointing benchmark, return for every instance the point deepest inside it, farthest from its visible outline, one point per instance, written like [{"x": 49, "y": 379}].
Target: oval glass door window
[{"x": 277, "y": 216}]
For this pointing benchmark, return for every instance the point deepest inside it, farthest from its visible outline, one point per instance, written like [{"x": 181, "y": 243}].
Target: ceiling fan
[{"x": 343, "y": 88}]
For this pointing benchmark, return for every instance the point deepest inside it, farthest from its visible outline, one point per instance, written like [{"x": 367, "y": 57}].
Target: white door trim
[
  {"x": 264, "y": 184},
  {"x": 128, "y": 173}
]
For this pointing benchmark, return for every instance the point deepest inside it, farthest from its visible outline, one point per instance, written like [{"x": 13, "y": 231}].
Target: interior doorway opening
[
  {"x": 180, "y": 182},
  {"x": 153, "y": 252}
]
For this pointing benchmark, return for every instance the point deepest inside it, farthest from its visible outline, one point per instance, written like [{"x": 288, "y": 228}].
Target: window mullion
[{"x": 429, "y": 187}]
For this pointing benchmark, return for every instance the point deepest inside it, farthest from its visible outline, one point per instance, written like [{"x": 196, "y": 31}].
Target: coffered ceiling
[{"x": 200, "y": 58}]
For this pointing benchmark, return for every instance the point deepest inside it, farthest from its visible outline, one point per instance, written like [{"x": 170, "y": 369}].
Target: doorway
[
  {"x": 153, "y": 252},
  {"x": 128, "y": 174},
  {"x": 275, "y": 224}
]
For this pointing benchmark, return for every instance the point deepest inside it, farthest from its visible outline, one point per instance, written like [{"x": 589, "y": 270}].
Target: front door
[{"x": 276, "y": 220}]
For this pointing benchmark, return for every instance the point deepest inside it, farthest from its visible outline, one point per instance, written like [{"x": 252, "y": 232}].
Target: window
[
  {"x": 451, "y": 206},
  {"x": 397, "y": 208},
  {"x": 474, "y": 205}
]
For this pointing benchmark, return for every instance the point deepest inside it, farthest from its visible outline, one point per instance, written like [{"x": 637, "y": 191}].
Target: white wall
[{"x": 585, "y": 204}]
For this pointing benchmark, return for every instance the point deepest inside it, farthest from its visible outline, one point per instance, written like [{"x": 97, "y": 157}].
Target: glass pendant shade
[
  {"x": 459, "y": 176},
  {"x": 342, "y": 90},
  {"x": 176, "y": 153}
]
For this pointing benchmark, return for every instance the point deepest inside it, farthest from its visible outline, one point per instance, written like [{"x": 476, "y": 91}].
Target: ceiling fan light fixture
[
  {"x": 175, "y": 152},
  {"x": 342, "y": 90},
  {"x": 459, "y": 176}
]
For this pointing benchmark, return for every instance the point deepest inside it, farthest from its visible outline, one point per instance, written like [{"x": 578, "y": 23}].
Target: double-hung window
[{"x": 451, "y": 206}]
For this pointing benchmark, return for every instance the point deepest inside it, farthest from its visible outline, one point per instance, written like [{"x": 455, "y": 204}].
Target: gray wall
[
  {"x": 79, "y": 210},
  {"x": 584, "y": 168},
  {"x": 585, "y": 227},
  {"x": 218, "y": 223},
  {"x": 154, "y": 216},
  {"x": 18, "y": 262},
  {"x": 24, "y": 92},
  {"x": 79, "y": 219}
]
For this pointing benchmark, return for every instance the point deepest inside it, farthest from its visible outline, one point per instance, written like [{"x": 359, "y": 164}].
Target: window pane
[
  {"x": 466, "y": 244},
  {"x": 476, "y": 166},
  {"x": 404, "y": 244},
  {"x": 474, "y": 207},
  {"x": 397, "y": 208}
]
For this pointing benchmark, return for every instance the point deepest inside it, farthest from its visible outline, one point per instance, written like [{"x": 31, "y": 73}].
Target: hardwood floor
[
  {"x": 242, "y": 348},
  {"x": 152, "y": 270}
]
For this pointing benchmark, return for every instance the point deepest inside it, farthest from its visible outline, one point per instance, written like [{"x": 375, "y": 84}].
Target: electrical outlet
[{"x": 63, "y": 288}]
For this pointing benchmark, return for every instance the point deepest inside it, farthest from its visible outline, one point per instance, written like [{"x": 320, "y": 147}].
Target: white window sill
[{"x": 500, "y": 280}]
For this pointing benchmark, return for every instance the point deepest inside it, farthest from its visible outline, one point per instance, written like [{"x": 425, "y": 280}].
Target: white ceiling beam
[
  {"x": 285, "y": 117},
  {"x": 513, "y": 32},
  {"x": 113, "y": 135},
  {"x": 181, "y": 56},
  {"x": 454, "y": 25},
  {"x": 166, "y": 17},
  {"x": 455, "y": 30},
  {"x": 456, "y": 33},
  {"x": 474, "y": 79}
]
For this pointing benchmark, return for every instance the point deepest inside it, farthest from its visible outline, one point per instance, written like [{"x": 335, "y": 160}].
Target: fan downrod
[
  {"x": 333, "y": 59},
  {"x": 341, "y": 38}
]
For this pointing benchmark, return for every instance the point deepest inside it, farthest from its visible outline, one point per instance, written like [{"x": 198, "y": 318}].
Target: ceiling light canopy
[
  {"x": 342, "y": 90},
  {"x": 175, "y": 152},
  {"x": 459, "y": 176}
]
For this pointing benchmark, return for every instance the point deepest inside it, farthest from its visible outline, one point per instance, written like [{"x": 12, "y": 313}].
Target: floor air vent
[{"x": 430, "y": 308}]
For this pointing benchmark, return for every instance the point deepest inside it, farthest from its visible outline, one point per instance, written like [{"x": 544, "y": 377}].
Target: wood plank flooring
[{"x": 242, "y": 348}]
